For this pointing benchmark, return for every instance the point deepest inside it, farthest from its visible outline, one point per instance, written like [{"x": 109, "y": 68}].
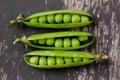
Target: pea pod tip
[
  {"x": 22, "y": 39},
  {"x": 101, "y": 57},
  {"x": 16, "y": 41},
  {"x": 104, "y": 57},
  {"x": 17, "y": 20}
]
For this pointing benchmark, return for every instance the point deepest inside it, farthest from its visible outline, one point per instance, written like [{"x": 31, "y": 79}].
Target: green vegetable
[
  {"x": 51, "y": 18},
  {"x": 42, "y": 61},
  {"x": 50, "y": 41},
  {"x": 59, "y": 61},
  {"x": 41, "y": 41},
  {"x": 76, "y": 59},
  {"x": 84, "y": 19},
  {"x": 66, "y": 42},
  {"x": 67, "y": 18},
  {"x": 58, "y": 43},
  {"x": 34, "y": 59},
  {"x": 58, "y": 40},
  {"x": 75, "y": 18},
  {"x": 51, "y": 61},
  {"x": 34, "y": 20},
  {"x": 75, "y": 42},
  {"x": 42, "y": 19},
  {"x": 35, "y": 41},
  {"x": 86, "y": 59},
  {"x": 83, "y": 38},
  {"x": 62, "y": 59},
  {"x": 59, "y": 18},
  {"x": 56, "y": 19},
  {"x": 68, "y": 60}
]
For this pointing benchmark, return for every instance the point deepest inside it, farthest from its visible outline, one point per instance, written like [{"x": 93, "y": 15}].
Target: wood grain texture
[
  {"x": 106, "y": 29},
  {"x": 107, "y": 32}
]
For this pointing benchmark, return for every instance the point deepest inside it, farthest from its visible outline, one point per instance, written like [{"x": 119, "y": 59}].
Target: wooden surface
[{"x": 106, "y": 29}]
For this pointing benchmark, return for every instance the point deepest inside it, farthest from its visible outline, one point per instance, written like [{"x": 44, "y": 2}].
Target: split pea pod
[
  {"x": 58, "y": 40},
  {"x": 56, "y": 19},
  {"x": 61, "y": 59}
]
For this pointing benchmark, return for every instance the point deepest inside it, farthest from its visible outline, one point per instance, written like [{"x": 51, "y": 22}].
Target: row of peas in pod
[
  {"x": 59, "y": 18},
  {"x": 55, "y": 60},
  {"x": 62, "y": 42},
  {"x": 56, "y": 19},
  {"x": 56, "y": 43},
  {"x": 65, "y": 40}
]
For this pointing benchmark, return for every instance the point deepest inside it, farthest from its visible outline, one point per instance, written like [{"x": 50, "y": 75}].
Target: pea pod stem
[
  {"x": 22, "y": 39},
  {"x": 17, "y": 20}
]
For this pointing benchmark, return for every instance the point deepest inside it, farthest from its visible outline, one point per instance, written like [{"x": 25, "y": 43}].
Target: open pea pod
[
  {"x": 61, "y": 59},
  {"x": 55, "y": 19},
  {"x": 58, "y": 40}
]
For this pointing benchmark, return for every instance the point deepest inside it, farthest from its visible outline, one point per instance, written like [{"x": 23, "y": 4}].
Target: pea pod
[
  {"x": 62, "y": 59},
  {"x": 56, "y": 19},
  {"x": 57, "y": 39}
]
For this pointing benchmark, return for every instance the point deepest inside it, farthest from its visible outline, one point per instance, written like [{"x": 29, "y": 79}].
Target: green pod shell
[
  {"x": 57, "y": 35},
  {"x": 56, "y": 58},
  {"x": 59, "y": 19}
]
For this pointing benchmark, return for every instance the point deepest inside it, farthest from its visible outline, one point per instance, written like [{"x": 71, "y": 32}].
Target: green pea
[
  {"x": 84, "y": 18},
  {"x": 34, "y": 60},
  {"x": 50, "y": 41},
  {"x": 67, "y": 18},
  {"x": 41, "y": 41},
  {"x": 58, "y": 42},
  {"x": 76, "y": 59},
  {"x": 66, "y": 42},
  {"x": 86, "y": 60},
  {"x": 58, "y": 18},
  {"x": 83, "y": 38},
  {"x": 75, "y": 18},
  {"x": 51, "y": 18},
  {"x": 75, "y": 42},
  {"x": 42, "y": 19},
  {"x": 34, "y": 20},
  {"x": 59, "y": 60},
  {"x": 68, "y": 60},
  {"x": 35, "y": 41},
  {"x": 51, "y": 61},
  {"x": 42, "y": 60}
]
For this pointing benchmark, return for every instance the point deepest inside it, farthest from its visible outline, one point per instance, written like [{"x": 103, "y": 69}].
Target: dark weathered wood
[
  {"x": 107, "y": 32},
  {"x": 106, "y": 29}
]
